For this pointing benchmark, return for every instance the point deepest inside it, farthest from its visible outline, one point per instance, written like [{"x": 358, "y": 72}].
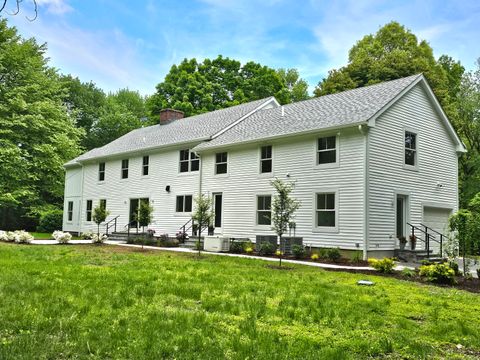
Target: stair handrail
[
  {"x": 108, "y": 224},
  {"x": 442, "y": 236},
  {"x": 425, "y": 241},
  {"x": 129, "y": 225}
]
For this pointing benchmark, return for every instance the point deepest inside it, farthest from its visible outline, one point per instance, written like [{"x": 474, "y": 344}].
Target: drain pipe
[{"x": 364, "y": 131}]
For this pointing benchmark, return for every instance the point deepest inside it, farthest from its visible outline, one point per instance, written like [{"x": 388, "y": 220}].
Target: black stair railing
[
  {"x": 442, "y": 236},
  {"x": 191, "y": 225},
  {"x": 129, "y": 226},
  {"x": 111, "y": 223},
  {"x": 428, "y": 237}
]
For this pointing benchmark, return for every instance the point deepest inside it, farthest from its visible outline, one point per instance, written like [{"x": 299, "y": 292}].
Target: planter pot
[
  {"x": 402, "y": 246},
  {"x": 413, "y": 246}
]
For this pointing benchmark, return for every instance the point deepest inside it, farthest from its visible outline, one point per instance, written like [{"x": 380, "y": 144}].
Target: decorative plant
[
  {"x": 298, "y": 251},
  {"x": 266, "y": 248},
  {"x": 315, "y": 257},
  {"x": 249, "y": 250},
  {"x": 99, "y": 239},
  {"x": 403, "y": 241},
  {"x": 203, "y": 214},
  {"x": 100, "y": 213},
  {"x": 62, "y": 237},
  {"x": 283, "y": 210},
  {"x": 145, "y": 214},
  {"x": 333, "y": 254},
  {"x": 385, "y": 265},
  {"x": 438, "y": 273},
  {"x": 88, "y": 235},
  {"x": 413, "y": 241},
  {"x": 3, "y": 236}
]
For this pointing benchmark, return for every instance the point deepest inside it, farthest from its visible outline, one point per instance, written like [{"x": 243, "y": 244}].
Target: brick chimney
[{"x": 168, "y": 115}]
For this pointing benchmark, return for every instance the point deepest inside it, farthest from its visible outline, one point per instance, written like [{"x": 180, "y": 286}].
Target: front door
[
  {"x": 134, "y": 209},
  {"x": 401, "y": 216},
  {"x": 217, "y": 207}
]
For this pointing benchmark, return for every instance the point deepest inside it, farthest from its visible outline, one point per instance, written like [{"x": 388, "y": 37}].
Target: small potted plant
[
  {"x": 413, "y": 241},
  {"x": 403, "y": 241},
  {"x": 150, "y": 233}
]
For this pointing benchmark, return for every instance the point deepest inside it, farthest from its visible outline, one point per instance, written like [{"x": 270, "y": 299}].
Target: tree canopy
[
  {"x": 37, "y": 134},
  {"x": 196, "y": 87},
  {"x": 391, "y": 53}
]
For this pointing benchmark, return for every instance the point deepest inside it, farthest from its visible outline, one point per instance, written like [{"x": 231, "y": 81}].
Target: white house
[{"x": 367, "y": 163}]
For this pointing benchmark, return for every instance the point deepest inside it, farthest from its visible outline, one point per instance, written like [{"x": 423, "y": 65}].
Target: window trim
[
  {"x": 191, "y": 158},
  {"x": 69, "y": 211},
  {"x": 337, "y": 151},
  {"x": 221, "y": 163},
  {"x": 122, "y": 169},
  {"x": 88, "y": 210},
  {"x": 146, "y": 166},
  {"x": 257, "y": 225},
  {"x": 101, "y": 172},
  {"x": 404, "y": 149},
  {"x": 326, "y": 229},
  {"x": 184, "y": 196},
  {"x": 260, "y": 160}
]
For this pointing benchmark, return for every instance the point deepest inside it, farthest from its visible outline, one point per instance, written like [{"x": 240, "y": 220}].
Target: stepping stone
[{"x": 365, "y": 282}]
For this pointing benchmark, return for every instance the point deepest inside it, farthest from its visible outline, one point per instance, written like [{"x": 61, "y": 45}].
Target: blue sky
[{"x": 120, "y": 43}]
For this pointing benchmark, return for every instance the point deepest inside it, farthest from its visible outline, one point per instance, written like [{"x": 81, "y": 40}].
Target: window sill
[
  {"x": 188, "y": 173},
  {"x": 269, "y": 175},
  {"x": 222, "y": 175},
  {"x": 182, "y": 214},
  {"x": 325, "y": 229},
  {"x": 263, "y": 227},
  {"x": 327, "y": 166},
  {"x": 410, "y": 167},
  {"x": 100, "y": 182}
]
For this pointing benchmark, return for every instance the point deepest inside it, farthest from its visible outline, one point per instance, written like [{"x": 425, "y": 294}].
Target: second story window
[
  {"x": 146, "y": 161},
  {"x": 70, "y": 211},
  {"x": 221, "y": 163},
  {"x": 327, "y": 150},
  {"x": 410, "y": 148},
  {"x": 189, "y": 161},
  {"x": 266, "y": 159},
  {"x": 125, "y": 169},
  {"x": 101, "y": 171}
]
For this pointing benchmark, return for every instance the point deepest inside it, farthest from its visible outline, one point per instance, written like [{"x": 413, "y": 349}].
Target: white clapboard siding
[
  {"x": 437, "y": 163},
  {"x": 163, "y": 171},
  {"x": 73, "y": 192},
  {"x": 295, "y": 156}
]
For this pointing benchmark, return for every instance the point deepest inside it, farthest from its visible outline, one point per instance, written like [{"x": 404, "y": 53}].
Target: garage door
[{"x": 436, "y": 218}]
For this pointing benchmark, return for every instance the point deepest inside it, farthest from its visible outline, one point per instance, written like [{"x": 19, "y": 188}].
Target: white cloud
[{"x": 58, "y": 7}]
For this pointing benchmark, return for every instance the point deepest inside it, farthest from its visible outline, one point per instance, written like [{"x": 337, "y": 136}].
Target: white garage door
[{"x": 436, "y": 218}]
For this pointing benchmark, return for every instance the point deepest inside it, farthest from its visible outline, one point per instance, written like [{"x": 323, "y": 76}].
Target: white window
[
  {"x": 125, "y": 169},
  {"x": 184, "y": 203},
  {"x": 326, "y": 210},
  {"x": 221, "y": 163},
  {"x": 101, "y": 171},
  {"x": 189, "y": 161},
  {"x": 264, "y": 210},
  {"x": 145, "y": 163},
  {"x": 70, "y": 211},
  {"x": 89, "y": 210},
  {"x": 327, "y": 150},
  {"x": 410, "y": 148},
  {"x": 266, "y": 159}
]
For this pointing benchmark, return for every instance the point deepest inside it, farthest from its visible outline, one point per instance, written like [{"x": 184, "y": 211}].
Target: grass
[
  {"x": 48, "y": 236},
  {"x": 108, "y": 302}
]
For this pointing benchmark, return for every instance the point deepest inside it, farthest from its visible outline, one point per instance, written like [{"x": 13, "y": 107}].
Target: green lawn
[{"x": 88, "y": 302}]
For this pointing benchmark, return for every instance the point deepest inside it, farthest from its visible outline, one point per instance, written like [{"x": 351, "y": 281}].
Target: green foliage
[
  {"x": 50, "y": 221},
  {"x": 357, "y": 256},
  {"x": 408, "y": 273},
  {"x": 298, "y": 251},
  {"x": 236, "y": 247},
  {"x": 333, "y": 254},
  {"x": 151, "y": 305},
  {"x": 203, "y": 214},
  {"x": 438, "y": 273},
  {"x": 266, "y": 248},
  {"x": 283, "y": 206},
  {"x": 197, "y": 87},
  {"x": 37, "y": 135},
  {"x": 145, "y": 214},
  {"x": 99, "y": 216},
  {"x": 385, "y": 265}
]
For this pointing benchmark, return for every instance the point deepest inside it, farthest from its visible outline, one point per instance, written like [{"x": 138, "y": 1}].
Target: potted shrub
[
  {"x": 413, "y": 241},
  {"x": 403, "y": 241}
]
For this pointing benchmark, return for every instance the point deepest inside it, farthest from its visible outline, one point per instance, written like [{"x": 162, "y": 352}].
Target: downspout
[
  {"x": 364, "y": 132},
  {"x": 81, "y": 201},
  {"x": 200, "y": 175}
]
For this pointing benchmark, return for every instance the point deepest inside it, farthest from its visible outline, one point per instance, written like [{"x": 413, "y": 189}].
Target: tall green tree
[
  {"x": 196, "y": 87},
  {"x": 122, "y": 112},
  {"x": 37, "y": 134},
  {"x": 391, "y": 53}
]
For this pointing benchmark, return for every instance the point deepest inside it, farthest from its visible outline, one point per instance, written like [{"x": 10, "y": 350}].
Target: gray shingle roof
[
  {"x": 190, "y": 129},
  {"x": 330, "y": 111}
]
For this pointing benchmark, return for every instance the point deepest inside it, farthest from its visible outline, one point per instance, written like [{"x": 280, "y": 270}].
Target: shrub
[
  {"x": 99, "y": 239},
  {"x": 407, "y": 272},
  {"x": 454, "y": 265},
  {"x": 3, "y": 236},
  {"x": 438, "y": 273},
  {"x": 357, "y": 256},
  {"x": 315, "y": 257},
  {"x": 478, "y": 273},
  {"x": 266, "y": 248},
  {"x": 181, "y": 236},
  {"x": 88, "y": 235},
  {"x": 385, "y": 265},
  {"x": 62, "y": 237},
  {"x": 298, "y": 251},
  {"x": 236, "y": 247},
  {"x": 198, "y": 245},
  {"x": 322, "y": 253},
  {"x": 50, "y": 221},
  {"x": 278, "y": 252},
  {"x": 333, "y": 254},
  {"x": 22, "y": 237},
  {"x": 249, "y": 249}
]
